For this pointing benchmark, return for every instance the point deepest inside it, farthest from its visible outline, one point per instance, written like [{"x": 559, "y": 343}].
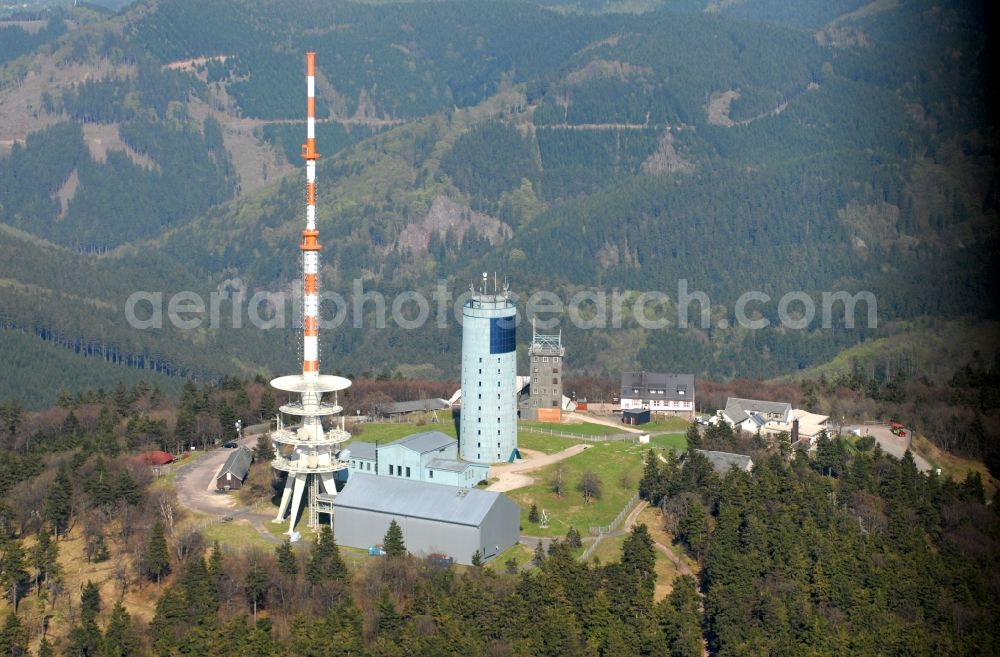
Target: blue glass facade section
[{"x": 502, "y": 337}]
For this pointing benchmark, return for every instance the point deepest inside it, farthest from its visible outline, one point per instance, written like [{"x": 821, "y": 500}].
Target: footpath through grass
[{"x": 617, "y": 464}]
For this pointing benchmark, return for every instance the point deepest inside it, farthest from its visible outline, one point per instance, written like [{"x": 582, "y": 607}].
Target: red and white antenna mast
[
  {"x": 310, "y": 236},
  {"x": 310, "y": 453}
]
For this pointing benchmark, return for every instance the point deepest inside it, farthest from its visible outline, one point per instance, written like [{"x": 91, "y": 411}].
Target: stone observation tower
[
  {"x": 306, "y": 450},
  {"x": 545, "y": 358}
]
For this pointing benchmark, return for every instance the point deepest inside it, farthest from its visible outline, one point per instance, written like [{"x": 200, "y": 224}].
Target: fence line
[
  {"x": 580, "y": 436},
  {"x": 590, "y": 549},
  {"x": 619, "y": 519}
]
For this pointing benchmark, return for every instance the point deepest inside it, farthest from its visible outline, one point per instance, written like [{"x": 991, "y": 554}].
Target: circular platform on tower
[
  {"x": 311, "y": 411},
  {"x": 299, "y": 383}
]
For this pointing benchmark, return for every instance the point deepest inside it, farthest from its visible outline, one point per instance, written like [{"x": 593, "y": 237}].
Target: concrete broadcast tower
[
  {"x": 488, "y": 425},
  {"x": 308, "y": 452}
]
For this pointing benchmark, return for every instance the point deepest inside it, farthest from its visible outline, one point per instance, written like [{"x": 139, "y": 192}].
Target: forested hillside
[
  {"x": 847, "y": 551},
  {"x": 745, "y": 146}
]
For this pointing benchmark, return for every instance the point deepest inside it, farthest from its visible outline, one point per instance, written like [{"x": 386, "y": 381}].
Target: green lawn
[
  {"x": 609, "y": 461},
  {"x": 235, "y": 534},
  {"x": 609, "y": 550},
  {"x": 671, "y": 440},
  {"x": 666, "y": 424},
  {"x": 519, "y": 552},
  {"x": 385, "y": 432},
  {"x": 584, "y": 428},
  {"x": 543, "y": 443}
]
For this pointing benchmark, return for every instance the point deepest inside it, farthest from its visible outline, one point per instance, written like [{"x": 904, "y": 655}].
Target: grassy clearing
[
  {"x": 666, "y": 571},
  {"x": 671, "y": 440},
  {"x": 354, "y": 557},
  {"x": 609, "y": 550},
  {"x": 666, "y": 424},
  {"x": 583, "y": 428},
  {"x": 542, "y": 443},
  {"x": 238, "y": 534},
  {"x": 956, "y": 467},
  {"x": 609, "y": 461},
  {"x": 385, "y": 432},
  {"x": 521, "y": 553}
]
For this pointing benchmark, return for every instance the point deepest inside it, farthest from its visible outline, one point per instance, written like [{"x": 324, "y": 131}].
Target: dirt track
[
  {"x": 592, "y": 419},
  {"x": 510, "y": 475},
  {"x": 894, "y": 445}
]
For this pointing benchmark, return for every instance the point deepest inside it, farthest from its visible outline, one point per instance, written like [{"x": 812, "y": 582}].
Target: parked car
[
  {"x": 376, "y": 551},
  {"x": 232, "y": 444},
  {"x": 438, "y": 559}
]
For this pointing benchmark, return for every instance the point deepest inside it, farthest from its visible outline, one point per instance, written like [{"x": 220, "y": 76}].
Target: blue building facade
[
  {"x": 488, "y": 426},
  {"x": 429, "y": 456}
]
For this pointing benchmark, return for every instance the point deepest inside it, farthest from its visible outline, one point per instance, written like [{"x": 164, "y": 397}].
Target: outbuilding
[
  {"x": 634, "y": 417},
  {"x": 723, "y": 462},
  {"x": 234, "y": 471},
  {"x": 434, "y": 518}
]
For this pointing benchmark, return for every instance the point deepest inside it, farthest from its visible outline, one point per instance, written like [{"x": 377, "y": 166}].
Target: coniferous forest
[{"x": 847, "y": 551}]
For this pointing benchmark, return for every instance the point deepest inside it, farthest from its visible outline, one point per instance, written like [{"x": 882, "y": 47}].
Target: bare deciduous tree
[{"x": 590, "y": 486}]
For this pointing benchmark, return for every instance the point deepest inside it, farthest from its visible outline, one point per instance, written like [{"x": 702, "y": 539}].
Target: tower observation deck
[{"x": 307, "y": 451}]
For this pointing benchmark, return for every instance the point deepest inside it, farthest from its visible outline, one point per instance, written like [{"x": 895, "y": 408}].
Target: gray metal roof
[
  {"x": 674, "y": 387},
  {"x": 426, "y": 441},
  {"x": 723, "y": 461},
  {"x": 433, "y": 404},
  {"x": 738, "y": 409},
  {"x": 362, "y": 450},
  {"x": 451, "y": 465},
  {"x": 238, "y": 463},
  {"x": 418, "y": 499}
]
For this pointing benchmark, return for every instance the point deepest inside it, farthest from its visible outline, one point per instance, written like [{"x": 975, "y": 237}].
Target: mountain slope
[{"x": 568, "y": 151}]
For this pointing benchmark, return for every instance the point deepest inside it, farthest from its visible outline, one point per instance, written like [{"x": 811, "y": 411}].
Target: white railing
[
  {"x": 619, "y": 519},
  {"x": 302, "y": 465},
  {"x": 579, "y": 436},
  {"x": 590, "y": 549}
]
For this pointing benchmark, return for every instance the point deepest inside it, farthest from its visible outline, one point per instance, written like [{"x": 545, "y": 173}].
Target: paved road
[
  {"x": 195, "y": 484},
  {"x": 893, "y": 444}
]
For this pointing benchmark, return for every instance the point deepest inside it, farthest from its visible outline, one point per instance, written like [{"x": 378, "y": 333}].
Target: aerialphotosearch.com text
[{"x": 232, "y": 306}]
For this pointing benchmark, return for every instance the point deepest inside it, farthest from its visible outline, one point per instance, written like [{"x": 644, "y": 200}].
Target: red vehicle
[{"x": 897, "y": 429}]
